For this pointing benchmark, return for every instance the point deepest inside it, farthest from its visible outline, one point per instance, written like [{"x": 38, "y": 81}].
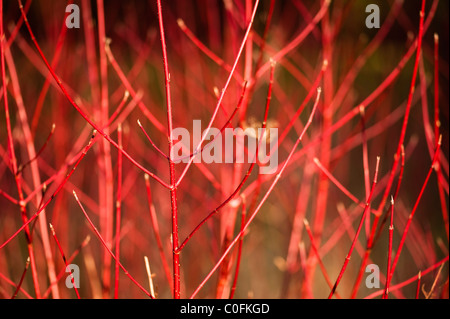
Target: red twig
[
  {"x": 173, "y": 188},
  {"x": 54, "y": 194},
  {"x": 109, "y": 250},
  {"x": 227, "y": 124},
  {"x": 12, "y": 156},
  {"x": 151, "y": 141},
  {"x": 27, "y": 264},
  {"x": 266, "y": 195},
  {"x": 408, "y": 107},
  {"x": 9, "y": 197},
  {"x": 429, "y": 294},
  {"x": 207, "y": 51},
  {"x": 130, "y": 89},
  {"x": 239, "y": 253},
  {"x": 105, "y": 179},
  {"x": 119, "y": 108},
  {"x": 410, "y": 280},
  {"x": 22, "y": 166},
  {"x": 391, "y": 231},
  {"x": 419, "y": 277},
  {"x": 246, "y": 176},
  {"x": 365, "y": 163},
  {"x": 63, "y": 270},
  {"x": 322, "y": 266},
  {"x": 297, "y": 226},
  {"x": 305, "y": 101},
  {"x": 366, "y": 209},
  {"x": 14, "y": 32},
  {"x": 7, "y": 280},
  {"x": 118, "y": 211},
  {"x": 437, "y": 125},
  {"x": 417, "y": 44},
  {"x": 75, "y": 105},
  {"x": 397, "y": 189},
  {"x": 64, "y": 259},
  {"x": 223, "y": 91},
  {"x": 411, "y": 215},
  {"x": 297, "y": 40},
  {"x": 46, "y": 86},
  {"x": 154, "y": 222}
]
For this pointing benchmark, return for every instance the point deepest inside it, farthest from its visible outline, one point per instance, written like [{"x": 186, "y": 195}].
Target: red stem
[
  {"x": 107, "y": 248},
  {"x": 118, "y": 211},
  {"x": 223, "y": 91},
  {"x": 151, "y": 141},
  {"x": 63, "y": 270},
  {"x": 13, "y": 159},
  {"x": 419, "y": 277},
  {"x": 365, "y": 164},
  {"x": 239, "y": 254},
  {"x": 17, "y": 27},
  {"x": 7, "y": 280},
  {"x": 246, "y": 176},
  {"x": 130, "y": 89},
  {"x": 64, "y": 259},
  {"x": 411, "y": 215},
  {"x": 54, "y": 194},
  {"x": 154, "y": 222},
  {"x": 316, "y": 252},
  {"x": 19, "y": 285},
  {"x": 75, "y": 105},
  {"x": 207, "y": 51},
  {"x": 173, "y": 188},
  {"x": 9, "y": 197},
  {"x": 46, "y": 86},
  {"x": 391, "y": 231},
  {"x": 410, "y": 280},
  {"x": 227, "y": 124},
  {"x": 366, "y": 209},
  {"x": 400, "y": 178},
  {"x": 266, "y": 195},
  {"x": 22, "y": 166},
  {"x": 437, "y": 125},
  {"x": 297, "y": 40},
  {"x": 422, "y": 29}
]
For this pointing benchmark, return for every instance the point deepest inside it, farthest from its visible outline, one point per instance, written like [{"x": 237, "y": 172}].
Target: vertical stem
[
  {"x": 391, "y": 230},
  {"x": 297, "y": 227},
  {"x": 155, "y": 226},
  {"x": 238, "y": 260},
  {"x": 325, "y": 146},
  {"x": 106, "y": 179},
  {"x": 419, "y": 277},
  {"x": 249, "y": 43},
  {"x": 437, "y": 125},
  {"x": 365, "y": 163},
  {"x": 64, "y": 259},
  {"x": 21, "y": 279},
  {"x": 118, "y": 211},
  {"x": 173, "y": 188}
]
